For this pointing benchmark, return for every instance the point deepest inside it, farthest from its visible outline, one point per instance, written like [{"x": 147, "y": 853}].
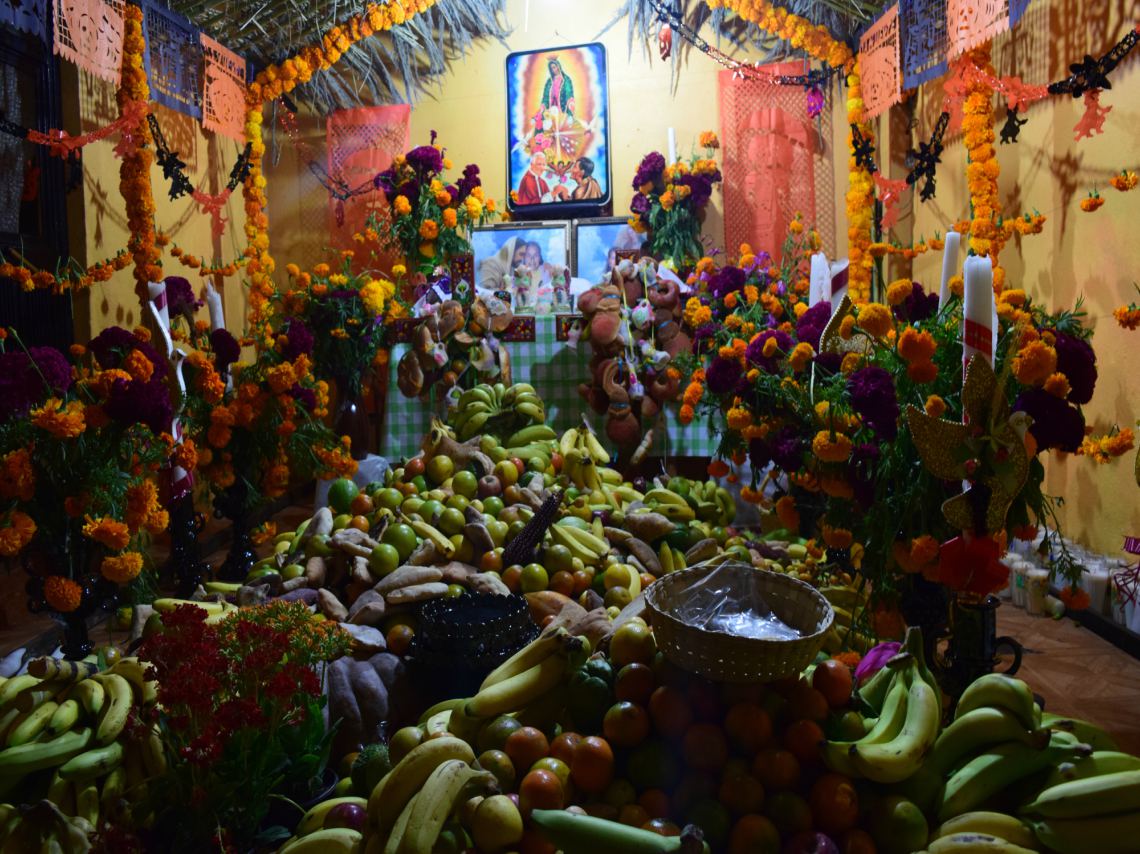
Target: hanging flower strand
[
  {"x": 270, "y": 84},
  {"x": 860, "y": 196}
]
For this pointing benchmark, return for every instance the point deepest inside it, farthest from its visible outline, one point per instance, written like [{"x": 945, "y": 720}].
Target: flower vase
[
  {"x": 231, "y": 505},
  {"x": 185, "y": 564},
  {"x": 973, "y": 643},
  {"x": 926, "y": 605},
  {"x": 352, "y": 420}
]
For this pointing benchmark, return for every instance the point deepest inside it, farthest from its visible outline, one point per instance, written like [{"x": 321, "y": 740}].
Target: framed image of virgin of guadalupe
[{"x": 558, "y": 132}]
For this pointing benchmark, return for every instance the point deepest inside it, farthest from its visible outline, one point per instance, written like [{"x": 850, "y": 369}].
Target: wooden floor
[{"x": 1078, "y": 673}]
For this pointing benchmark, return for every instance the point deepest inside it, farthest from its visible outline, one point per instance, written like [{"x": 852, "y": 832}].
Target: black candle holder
[
  {"x": 232, "y": 505},
  {"x": 185, "y": 564},
  {"x": 98, "y": 595}
]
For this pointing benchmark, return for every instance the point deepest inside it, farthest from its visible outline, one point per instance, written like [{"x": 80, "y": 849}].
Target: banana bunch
[
  {"x": 409, "y": 807},
  {"x": 589, "y": 546},
  {"x": 524, "y": 680},
  {"x": 850, "y": 606},
  {"x": 909, "y": 717},
  {"x": 583, "y": 458},
  {"x": 216, "y": 609},
  {"x": 43, "y": 827},
  {"x": 498, "y": 409},
  {"x": 711, "y": 502},
  {"x": 71, "y": 718}
]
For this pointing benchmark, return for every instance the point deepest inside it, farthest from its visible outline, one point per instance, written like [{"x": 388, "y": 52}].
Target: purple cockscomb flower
[
  {"x": 788, "y": 450},
  {"x": 1056, "y": 424},
  {"x": 425, "y": 160},
  {"x": 304, "y": 396},
  {"x": 1077, "y": 361},
  {"x": 226, "y": 349},
  {"x": 114, "y": 344},
  {"x": 640, "y": 204},
  {"x": 872, "y": 391},
  {"x": 755, "y": 351},
  {"x": 722, "y": 375},
  {"x": 810, "y": 326},
  {"x": 650, "y": 170},
  {"x": 27, "y": 378},
  {"x": 300, "y": 340},
  {"x": 726, "y": 280},
  {"x": 918, "y": 306},
  {"x": 180, "y": 296},
  {"x": 142, "y": 403}
]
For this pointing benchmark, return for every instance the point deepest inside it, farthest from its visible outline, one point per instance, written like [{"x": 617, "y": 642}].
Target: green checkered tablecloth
[{"x": 555, "y": 369}]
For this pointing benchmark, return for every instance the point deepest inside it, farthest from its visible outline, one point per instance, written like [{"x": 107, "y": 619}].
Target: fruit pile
[{"x": 69, "y": 752}]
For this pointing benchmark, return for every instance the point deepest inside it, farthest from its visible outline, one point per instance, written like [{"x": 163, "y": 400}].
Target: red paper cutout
[
  {"x": 880, "y": 66},
  {"x": 212, "y": 205},
  {"x": 89, "y": 33},
  {"x": 1092, "y": 122},
  {"x": 970, "y": 23},
  {"x": 223, "y": 90},
  {"x": 890, "y": 194},
  {"x": 61, "y": 144}
]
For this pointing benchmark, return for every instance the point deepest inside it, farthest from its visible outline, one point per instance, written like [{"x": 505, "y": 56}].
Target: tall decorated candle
[
  {"x": 949, "y": 265},
  {"x": 977, "y": 308},
  {"x": 819, "y": 282},
  {"x": 214, "y": 304}
]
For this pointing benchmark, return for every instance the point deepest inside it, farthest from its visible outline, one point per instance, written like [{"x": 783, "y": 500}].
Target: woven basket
[{"x": 730, "y": 658}]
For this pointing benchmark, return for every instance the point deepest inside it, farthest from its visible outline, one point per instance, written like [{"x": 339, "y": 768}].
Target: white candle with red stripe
[
  {"x": 949, "y": 265},
  {"x": 978, "y": 309},
  {"x": 819, "y": 284},
  {"x": 837, "y": 287}
]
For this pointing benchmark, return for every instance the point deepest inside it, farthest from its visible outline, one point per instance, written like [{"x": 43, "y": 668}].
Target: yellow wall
[{"x": 101, "y": 230}]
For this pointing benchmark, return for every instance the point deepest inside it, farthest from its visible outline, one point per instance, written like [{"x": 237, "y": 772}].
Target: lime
[
  {"x": 534, "y": 578},
  {"x": 293, "y": 570},
  {"x": 451, "y": 521},
  {"x": 341, "y": 521},
  {"x": 494, "y": 735},
  {"x": 402, "y": 538},
  {"x": 465, "y": 483},
  {"x": 898, "y": 825},
  {"x": 389, "y": 498},
  {"x": 459, "y": 502},
  {"x": 493, "y": 505},
  {"x": 538, "y": 463},
  {"x": 711, "y": 816},
  {"x": 383, "y": 560},
  {"x": 506, "y": 472},
  {"x": 429, "y": 510},
  {"x": 558, "y": 558},
  {"x": 454, "y": 591},
  {"x": 514, "y": 529},
  {"x": 411, "y": 505},
  {"x": 419, "y": 483},
  {"x": 341, "y": 492},
  {"x": 439, "y": 468},
  {"x": 618, "y": 597},
  {"x": 498, "y": 531}
]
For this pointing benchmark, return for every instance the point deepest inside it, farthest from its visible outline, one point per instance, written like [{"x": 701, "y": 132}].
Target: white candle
[
  {"x": 820, "y": 281},
  {"x": 161, "y": 312},
  {"x": 672, "y": 146},
  {"x": 837, "y": 286},
  {"x": 949, "y": 265},
  {"x": 978, "y": 310},
  {"x": 214, "y": 303}
]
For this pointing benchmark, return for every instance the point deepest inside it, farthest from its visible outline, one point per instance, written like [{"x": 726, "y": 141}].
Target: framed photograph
[
  {"x": 597, "y": 242},
  {"x": 527, "y": 263},
  {"x": 558, "y": 137}
]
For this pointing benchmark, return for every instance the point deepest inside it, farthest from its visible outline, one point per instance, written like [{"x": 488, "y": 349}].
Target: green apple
[
  {"x": 465, "y": 483},
  {"x": 383, "y": 560}
]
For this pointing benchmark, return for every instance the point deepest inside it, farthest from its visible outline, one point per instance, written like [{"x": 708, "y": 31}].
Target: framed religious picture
[
  {"x": 527, "y": 264},
  {"x": 558, "y": 132},
  {"x": 599, "y": 244}
]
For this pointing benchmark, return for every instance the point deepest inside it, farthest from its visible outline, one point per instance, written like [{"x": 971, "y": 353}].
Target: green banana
[
  {"x": 531, "y": 434},
  {"x": 897, "y": 759},
  {"x": 1007, "y": 827},
  {"x": 977, "y": 729},
  {"x": 33, "y": 724},
  {"x": 23, "y": 760},
  {"x": 995, "y": 770},
  {"x": 1109, "y": 793},
  {"x": 1102, "y": 834},
  {"x": 1100, "y": 762},
  {"x": 1085, "y": 732},
  {"x": 972, "y": 842},
  {"x": 995, "y": 689},
  {"x": 582, "y": 834},
  {"x": 93, "y": 763},
  {"x": 337, "y": 840}
]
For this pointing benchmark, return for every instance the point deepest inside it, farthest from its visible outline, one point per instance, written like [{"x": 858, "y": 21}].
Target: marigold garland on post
[
  {"x": 134, "y": 173},
  {"x": 272, "y": 83},
  {"x": 860, "y": 198},
  {"x": 800, "y": 33},
  {"x": 982, "y": 168}
]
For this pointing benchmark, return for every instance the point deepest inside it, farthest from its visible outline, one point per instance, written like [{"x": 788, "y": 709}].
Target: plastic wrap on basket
[{"x": 731, "y": 602}]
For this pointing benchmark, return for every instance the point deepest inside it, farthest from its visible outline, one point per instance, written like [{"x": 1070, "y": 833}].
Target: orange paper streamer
[
  {"x": 89, "y": 33},
  {"x": 970, "y": 23},
  {"x": 879, "y": 59},
  {"x": 223, "y": 90}
]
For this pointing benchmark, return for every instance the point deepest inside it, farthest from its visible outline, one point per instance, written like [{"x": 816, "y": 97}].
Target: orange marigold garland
[
  {"x": 270, "y": 84},
  {"x": 70, "y": 276},
  {"x": 860, "y": 198},
  {"x": 134, "y": 173},
  {"x": 982, "y": 169},
  {"x": 800, "y": 33}
]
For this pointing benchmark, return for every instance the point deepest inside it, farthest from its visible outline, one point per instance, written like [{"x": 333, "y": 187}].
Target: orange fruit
[
  {"x": 635, "y": 682},
  {"x": 776, "y": 769},
  {"x": 619, "y": 793},
  {"x": 705, "y": 747},
  {"x": 633, "y": 814},
  {"x": 582, "y": 581},
  {"x": 741, "y": 692},
  {"x": 491, "y": 561},
  {"x": 563, "y": 746},
  {"x": 556, "y": 767},
  {"x": 833, "y": 679},
  {"x": 399, "y": 639},
  {"x": 632, "y": 642},
  {"x": 741, "y": 794},
  {"x": 803, "y": 738},
  {"x": 592, "y": 764},
  {"x": 600, "y": 809},
  {"x": 754, "y": 834},
  {"x": 704, "y": 698},
  {"x": 655, "y": 802},
  {"x": 748, "y": 727},
  {"x": 834, "y": 803},
  {"x": 540, "y": 790},
  {"x": 512, "y": 577},
  {"x": 806, "y": 703},
  {"x": 493, "y": 735},
  {"x": 361, "y": 505},
  {"x": 361, "y": 523},
  {"x": 857, "y": 842},
  {"x": 534, "y": 842},
  {"x": 499, "y": 764},
  {"x": 526, "y": 746},
  {"x": 647, "y": 578},
  {"x": 625, "y": 724},
  {"x": 661, "y": 826},
  {"x": 561, "y": 582},
  {"x": 670, "y": 711}
]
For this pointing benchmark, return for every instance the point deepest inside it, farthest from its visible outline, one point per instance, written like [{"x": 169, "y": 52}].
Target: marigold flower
[
  {"x": 122, "y": 569},
  {"x": 787, "y": 514},
  {"x": 738, "y": 418},
  {"x": 837, "y": 538},
  {"x": 1058, "y": 385},
  {"x": 899, "y": 291},
  {"x": 62, "y": 594},
  {"x": 16, "y": 532},
  {"x": 686, "y": 413},
  {"x": 1075, "y": 600},
  {"x": 935, "y": 406},
  {"x": 110, "y": 532},
  {"x": 850, "y": 363},
  {"x": 1124, "y": 182},
  {"x": 1091, "y": 203},
  {"x": 875, "y": 319},
  {"x": 847, "y": 327},
  {"x": 1127, "y": 316},
  {"x": 708, "y": 139},
  {"x": 831, "y": 447},
  {"x": 801, "y": 356},
  {"x": 402, "y": 206},
  {"x": 17, "y": 476},
  {"x": 922, "y": 372},
  {"x": 1034, "y": 363},
  {"x": 62, "y": 422}
]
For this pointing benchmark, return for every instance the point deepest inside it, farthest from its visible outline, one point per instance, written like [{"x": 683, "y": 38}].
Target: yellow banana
[
  {"x": 542, "y": 647},
  {"x": 113, "y": 717},
  {"x": 514, "y": 693},
  {"x": 391, "y": 794},
  {"x": 93, "y": 763},
  {"x": 131, "y": 669},
  {"x": 61, "y": 793},
  {"x": 446, "y": 547},
  {"x": 435, "y": 803},
  {"x": 314, "y": 819},
  {"x": 437, "y": 724},
  {"x": 87, "y": 802},
  {"x": 60, "y": 668},
  {"x": 333, "y": 840},
  {"x": 113, "y": 791},
  {"x": 90, "y": 695},
  {"x": 153, "y": 754},
  {"x": 595, "y": 449},
  {"x": 15, "y": 685},
  {"x": 32, "y": 725},
  {"x": 400, "y": 827}
]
